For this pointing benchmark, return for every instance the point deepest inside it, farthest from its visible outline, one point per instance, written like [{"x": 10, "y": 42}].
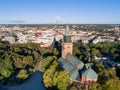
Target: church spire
[
  {"x": 67, "y": 30},
  {"x": 67, "y": 36},
  {"x": 67, "y": 45}
]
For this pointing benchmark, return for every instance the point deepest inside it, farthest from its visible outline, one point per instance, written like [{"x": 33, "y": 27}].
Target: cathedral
[{"x": 80, "y": 73}]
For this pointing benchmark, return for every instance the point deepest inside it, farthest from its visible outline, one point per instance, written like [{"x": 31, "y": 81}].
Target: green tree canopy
[{"x": 22, "y": 74}]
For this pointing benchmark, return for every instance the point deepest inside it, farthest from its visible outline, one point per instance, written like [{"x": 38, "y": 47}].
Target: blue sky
[{"x": 60, "y": 11}]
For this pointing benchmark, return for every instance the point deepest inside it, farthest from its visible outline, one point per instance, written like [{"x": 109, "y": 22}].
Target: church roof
[
  {"x": 69, "y": 67},
  {"x": 34, "y": 83},
  {"x": 75, "y": 75},
  {"x": 75, "y": 61},
  {"x": 90, "y": 73}
]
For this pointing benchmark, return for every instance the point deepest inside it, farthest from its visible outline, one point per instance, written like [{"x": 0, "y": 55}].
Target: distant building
[
  {"x": 79, "y": 71},
  {"x": 10, "y": 39},
  {"x": 103, "y": 39}
]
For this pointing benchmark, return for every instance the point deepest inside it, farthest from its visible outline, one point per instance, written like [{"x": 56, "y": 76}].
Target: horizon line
[{"x": 59, "y": 23}]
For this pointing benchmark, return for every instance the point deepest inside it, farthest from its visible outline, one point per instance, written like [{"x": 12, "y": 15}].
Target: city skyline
[{"x": 59, "y": 11}]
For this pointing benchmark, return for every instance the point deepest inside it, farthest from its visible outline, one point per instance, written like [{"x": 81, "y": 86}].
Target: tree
[
  {"x": 36, "y": 55},
  {"x": 112, "y": 50},
  {"x": 55, "y": 78},
  {"x": 47, "y": 78},
  {"x": 16, "y": 58},
  {"x": 63, "y": 80},
  {"x": 118, "y": 71},
  {"x": 76, "y": 51},
  {"x": 18, "y": 62},
  {"x": 86, "y": 57},
  {"x": 73, "y": 88},
  {"x": 28, "y": 60},
  {"x": 112, "y": 84},
  {"x": 6, "y": 68},
  {"x": 95, "y": 86},
  {"x": 43, "y": 51},
  {"x": 53, "y": 75},
  {"x": 95, "y": 52},
  {"x": 48, "y": 75},
  {"x": 22, "y": 74},
  {"x": 55, "y": 52},
  {"x": 6, "y": 73},
  {"x": 46, "y": 62}
]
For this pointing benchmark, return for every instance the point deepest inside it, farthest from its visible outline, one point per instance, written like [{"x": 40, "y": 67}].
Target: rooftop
[
  {"x": 90, "y": 73},
  {"x": 69, "y": 67},
  {"x": 75, "y": 61}
]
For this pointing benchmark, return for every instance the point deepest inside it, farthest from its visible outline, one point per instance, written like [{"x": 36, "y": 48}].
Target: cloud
[
  {"x": 17, "y": 21},
  {"x": 12, "y": 21}
]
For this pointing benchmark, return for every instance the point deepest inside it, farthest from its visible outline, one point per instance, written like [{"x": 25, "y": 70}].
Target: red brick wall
[
  {"x": 67, "y": 48},
  {"x": 84, "y": 79}
]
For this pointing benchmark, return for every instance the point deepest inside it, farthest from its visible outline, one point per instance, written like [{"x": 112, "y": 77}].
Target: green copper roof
[
  {"x": 67, "y": 30},
  {"x": 90, "y": 73},
  {"x": 75, "y": 75},
  {"x": 69, "y": 67},
  {"x": 67, "y": 36},
  {"x": 75, "y": 61}
]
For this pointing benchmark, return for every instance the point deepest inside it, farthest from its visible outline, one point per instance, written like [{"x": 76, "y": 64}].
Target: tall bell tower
[{"x": 67, "y": 45}]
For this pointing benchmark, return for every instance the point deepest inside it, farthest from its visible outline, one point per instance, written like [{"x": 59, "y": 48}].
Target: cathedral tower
[{"x": 67, "y": 45}]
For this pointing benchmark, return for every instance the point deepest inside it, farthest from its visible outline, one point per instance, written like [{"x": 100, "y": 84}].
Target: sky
[{"x": 59, "y": 11}]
